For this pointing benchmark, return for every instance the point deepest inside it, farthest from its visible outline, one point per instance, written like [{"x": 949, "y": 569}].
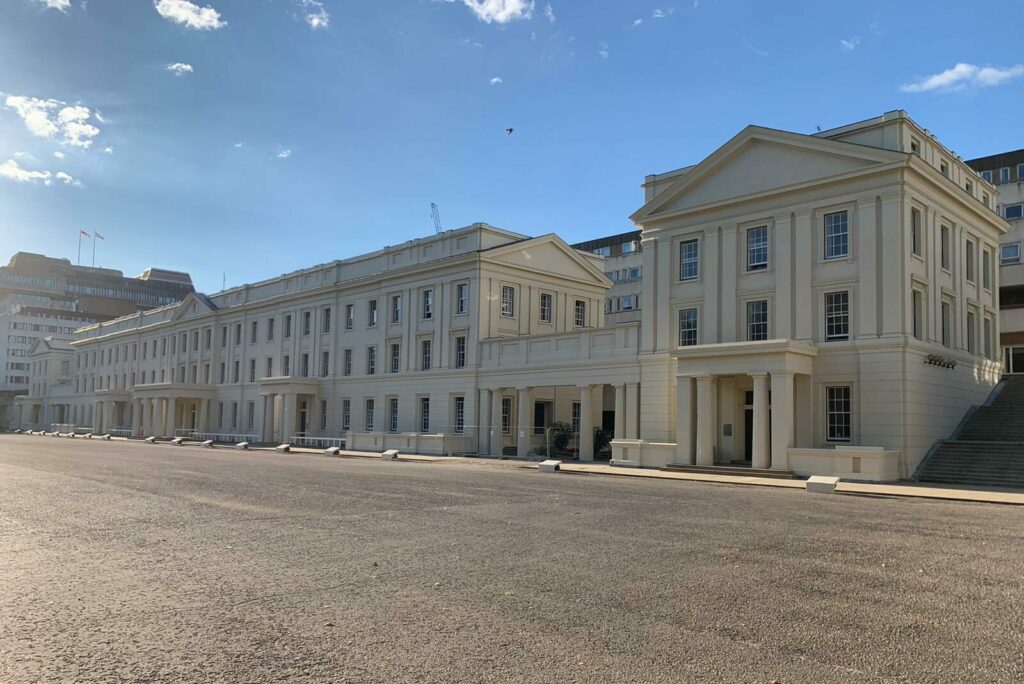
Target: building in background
[
  {"x": 1006, "y": 172},
  {"x": 622, "y": 265},
  {"x": 42, "y": 296}
]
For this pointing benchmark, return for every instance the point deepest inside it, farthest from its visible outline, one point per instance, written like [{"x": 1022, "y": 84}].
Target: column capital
[{"x": 758, "y": 374}]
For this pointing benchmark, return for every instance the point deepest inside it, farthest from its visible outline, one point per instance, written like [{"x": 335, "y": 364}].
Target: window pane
[
  {"x": 757, "y": 320},
  {"x": 837, "y": 411},
  {"x": 687, "y": 327},
  {"x": 689, "y": 260},
  {"x": 837, "y": 236},
  {"x": 757, "y": 248},
  {"x": 837, "y": 315}
]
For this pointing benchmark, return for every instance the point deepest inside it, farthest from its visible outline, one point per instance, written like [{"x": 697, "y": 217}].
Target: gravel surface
[{"x": 133, "y": 562}]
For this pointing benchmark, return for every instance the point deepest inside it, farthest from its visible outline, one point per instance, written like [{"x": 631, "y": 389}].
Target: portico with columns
[
  {"x": 159, "y": 410},
  {"x": 286, "y": 408}
]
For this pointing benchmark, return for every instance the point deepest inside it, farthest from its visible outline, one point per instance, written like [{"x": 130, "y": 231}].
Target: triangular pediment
[
  {"x": 759, "y": 161},
  {"x": 551, "y": 255},
  {"x": 195, "y": 304}
]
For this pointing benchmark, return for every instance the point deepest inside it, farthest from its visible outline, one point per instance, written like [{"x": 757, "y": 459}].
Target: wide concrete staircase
[{"x": 988, "y": 447}]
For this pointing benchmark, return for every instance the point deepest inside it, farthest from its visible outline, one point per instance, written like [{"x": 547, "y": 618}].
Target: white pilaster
[
  {"x": 782, "y": 419},
  {"x": 684, "y": 420},
  {"x": 760, "y": 457},
  {"x": 705, "y": 422}
]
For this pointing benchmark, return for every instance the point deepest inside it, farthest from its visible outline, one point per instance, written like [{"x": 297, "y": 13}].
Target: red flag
[
  {"x": 98, "y": 236},
  {"x": 84, "y": 233}
]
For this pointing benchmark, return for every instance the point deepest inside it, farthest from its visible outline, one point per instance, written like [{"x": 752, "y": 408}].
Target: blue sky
[{"x": 294, "y": 132}]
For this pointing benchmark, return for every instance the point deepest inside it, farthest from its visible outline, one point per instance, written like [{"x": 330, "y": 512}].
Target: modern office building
[
  {"x": 1006, "y": 172},
  {"x": 43, "y": 296},
  {"x": 820, "y": 304},
  {"x": 622, "y": 265}
]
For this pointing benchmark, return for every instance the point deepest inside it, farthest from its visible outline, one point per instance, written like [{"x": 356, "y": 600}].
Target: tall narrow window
[
  {"x": 461, "y": 299},
  {"x": 915, "y": 231},
  {"x": 307, "y": 322},
  {"x": 757, "y": 320},
  {"x": 574, "y": 421},
  {"x": 1004, "y": 174},
  {"x": 947, "y": 325},
  {"x": 326, "y": 323},
  {"x": 323, "y": 415},
  {"x": 506, "y": 415},
  {"x": 287, "y": 326},
  {"x": 837, "y": 235},
  {"x": 396, "y": 308},
  {"x": 689, "y": 260},
  {"x": 460, "y": 351},
  {"x": 987, "y": 334},
  {"x": 428, "y": 304},
  {"x": 580, "y": 314},
  {"x": 371, "y": 360},
  {"x": 757, "y": 248},
  {"x": 460, "y": 415},
  {"x": 251, "y": 418},
  {"x": 425, "y": 414},
  {"x": 546, "y": 307},
  {"x": 425, "y": 355},
  {"x": 986, "y": 269},
  {"x": 396, "y": 357},
  {"x": 350, "y": 316},
  {"x": 346, "y": 415},
  {"x": 837, "y": 316},
  {"x": 944, "y": 247},
  {"x": 917, "y": 314},
  {"x": 369, "y": 415},
  {"x": 508, "y": 301},
  {"x": 347, "y": 363},
  {"x": 688, "y": 327},
  {"x": 393, "y": 414},
  {"x": 254, "y": 332},
  {"x": 252, "y": 370},
  {"x": 972, "y": 333},
  {"x": 371, "y": 316},
  {"x": 238, "y": 336},
  {"x": 305, "y": 365},
  {"x": 270, "y": 329},
  {"x": 235, "y": 375},
  {"x": 270, "y": 367},
  {"x": 325, "y": 364},
  {"x": 286, "y": 365},
  {"x": 837, "y": 413},
  {"x": 969, "y": 259}
]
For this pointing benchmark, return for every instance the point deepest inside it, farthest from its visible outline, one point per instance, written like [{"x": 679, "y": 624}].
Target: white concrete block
[
  {"x": 283, "y": 448},
  {"x": 821, "y": 484},
  {"x": 151, "y": 439},
  {"x": 390, "y": 455},
  {"x": 177, "y": 441},
  {"x": 551, "y": 465},
  {"x": 242, "y": 446},
  {"x": 105, "y": 437},
  {"x": 88, "y": 435},
  {"x": 332, "y": 451},
  {"x": 208, "y": 444}
]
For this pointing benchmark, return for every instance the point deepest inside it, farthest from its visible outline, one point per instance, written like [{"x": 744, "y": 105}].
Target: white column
[
  {"x": 495, "y": 443},
  {"x": 136, "y": 417},
  {"x": 782, "y": 419},
  {"x": 586, "y": 437},
  {"x": 204, "y": 415},
  {"x": 525, "y": 421},
  {"x": 171, "y": 416},
  {"x": 760, "y": 457},
  {"x": 620, "y": 412},
  {"x": 632, "y": 410},
  {"x": 277, "y": 404},
  {"x": 684, "y": 420},
  {"x": 483, "y": 443},
  {"x": 705, "y": 423},
  {"x": 291, "y": 409}
]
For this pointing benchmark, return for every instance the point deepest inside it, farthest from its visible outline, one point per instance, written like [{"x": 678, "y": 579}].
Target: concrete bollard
[
  {"x": 283, "y": 448},
  {"x": 821, "y": 484},
  {"x": 242, "y": 446},
  {"x": 177, "y": 441},
  {"x": 105, "y": 437},
  {"x": 150, "y": 440},
  {"x": 551, "y": 465},
  {"x": 390, "y": 455},
  {"x": 332, "y": 451},
  {"x": 208, "y": 444}
]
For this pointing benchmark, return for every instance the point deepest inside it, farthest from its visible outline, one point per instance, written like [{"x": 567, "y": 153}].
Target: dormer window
[
  {"x": 1004, "y": 174},
  {"x": 987, "y": 175}
]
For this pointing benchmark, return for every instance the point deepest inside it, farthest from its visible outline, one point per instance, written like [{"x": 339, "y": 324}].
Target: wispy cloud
[
  {"x": 549, "y": 12},
  {"x": 756, "y": 50},
  {"x": 70, "y": 124},
  {"x": 965, "y": 75},
  {"x": 499, "y": 11},
  {"x": 469, "y": 42},
  {"x": 108, "y": 150},
  {"x": 239, "y": 144},
  {"x": 316, "y": 14},
  {"x": 603, "y": 50},
  {"x": 849, "y": 45},
  {"x": 284, "y": 153},
  {"x": 58, "y": 154},
  {"x": 179, "y": 68},
  {"x": 12, "y": 171},
  {"x": 62, "y": 5},
  {"x": 189, "y": 14},
  {"x": 496, "y": 81},
  {"x": 636, "y": 22}
]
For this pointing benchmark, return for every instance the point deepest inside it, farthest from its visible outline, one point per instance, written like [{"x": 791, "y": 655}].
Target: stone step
[{"x": 730, "y": 470}]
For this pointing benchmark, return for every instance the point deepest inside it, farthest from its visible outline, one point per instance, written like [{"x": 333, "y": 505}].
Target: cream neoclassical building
[{"x": 810, "y": 303}]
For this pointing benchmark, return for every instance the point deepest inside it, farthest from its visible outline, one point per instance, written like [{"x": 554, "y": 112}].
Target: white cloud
[
  {"x": 108, "y": 150},
  {"x": 851, "y": 44},
  {"x": 549, "y": 13},
  {"x": 658, "y": 14},
  {"x": 496, "y": 81},
  {"x": 71, "y": 123},
  {"x": 603, "y": 51},
  {"x": 963, "y": 75},
  {"x": 284, "y": 154},
  {"x": 62, "y": 5},
  {"x": 316, "y": 15},
  {"x": 179, "y": 68},
  {"x": 58, "y": 154},
  {"x": 499, "y": 11},
  {"x": 469, "y": 42},
  {"x": 67, "y": 179},
  {"x": 637, "y": 22},
  {"x": 239, "y": 144},
  {"x": 189, "y": 14},
  {"x": 756, "y": 50},
  {"x": 12, "y": 171}
]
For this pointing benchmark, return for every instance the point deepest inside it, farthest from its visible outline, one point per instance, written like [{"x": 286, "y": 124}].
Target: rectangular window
[
  {"x": 350, "y": 316},
  {"x": 238, "y": 335},
  {"x": 506, "y": 415},
  {"x": 234, "y": 415},
  {"x": 574, "y": 421},
  {"x": 220, "y": 414},
  {"x": 253, "y": 332},
  {"x": 325, "y": 364},
  {"x": 688, "y": 328},
  {"x": 427, "y": 310},
  {"x": 837, "y": 413},
  {"x": 207, "y": 339},
  {"x": 393, "y": 414},
  {"x": 628, "y": 247},
  {"x": 628, "y": 302},
  {"x": 323, "y": 415},
  {"x": 461, "y": 299},
  {"x": 944, "y": 168},
  {"x": 371, "y": 360},
  {"x": 689, "y": 260},
  {"x": 425, "y": 349},
  {"x": 986, "y": 269},
  {"x": 396, "y": 357},
  {"x": 1009, "y": 254},
  {"x": 460, "y": 415},
  {"x": 987, "y": 175},
  {"x": 286, "y": 365},
  {"x": 1013, "y": 211},
  {"x": 987, "y": 334},
  {"x": 235, "y": 374},
  {"x": 371, "y": 318},
  {"x": 305, "y": 365},
  {"x": 915, "y": 231},
  {"x": 837, "y": 235},
  {"x": 837, "y": 316},
  {"x": 369, "y": 415},
  {"x": 425, "y": 415},
  {"x": 307, "y": 322},
  {"x": 1004, "y": 174},
  {"x": 757, "y": 248},
  {"x": 396, "y": 308},
  {"x": 757, "y": 320},
  {"x": 251, "y": 418},
  {"x": 347, "y": 368},
  {"x": 460, "y": 351},
  {"x": 508, "y": 301},
  {"x": 580, "y": 314},
  {"x": 270, "y": 329},
  {"x": 1020, "y": 173},
  {"x": 944, "y": 247},
  {"x": 947, "y": 325},
  {"x": 252, "y": 370},
  {"x": 326, "y": 323},
  {"x": 969, "y": 258},
  {"x": 917, "y": 314},
  {"x": 972, "y": 333},
  {"x": 270, "y": 367},
  {"x": 195, "y": 340},
  {"x": 223, "y": 373},
  {"x": 287, "y": 326},
  {"x": 546, "y": 307},
  {"x": 346, "y": 415}
]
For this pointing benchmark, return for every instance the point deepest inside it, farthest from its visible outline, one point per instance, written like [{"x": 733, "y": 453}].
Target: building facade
[
  {"x": 821, "y": 304},
  {"x": 623, "y": 265},
  {"x": 1006, "y": 172}
]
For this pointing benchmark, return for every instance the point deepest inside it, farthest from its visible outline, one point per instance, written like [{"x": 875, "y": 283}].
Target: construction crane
[{"x": 437, "y": 217}]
